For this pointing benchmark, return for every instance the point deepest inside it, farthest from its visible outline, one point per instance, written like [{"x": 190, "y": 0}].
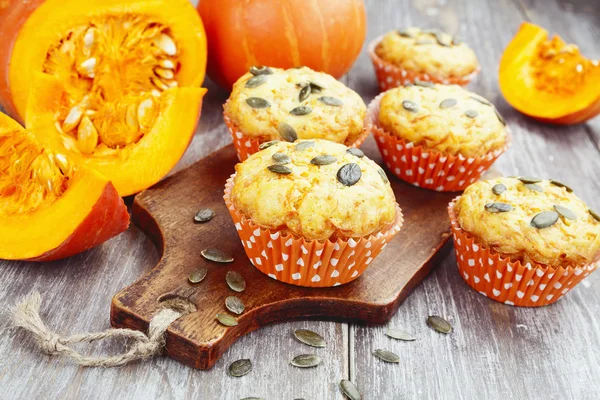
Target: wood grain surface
[{"x": 495, "y": 352}]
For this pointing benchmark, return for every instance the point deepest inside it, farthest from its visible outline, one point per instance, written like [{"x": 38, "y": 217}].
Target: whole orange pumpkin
[{"x": 325, "y": 35}]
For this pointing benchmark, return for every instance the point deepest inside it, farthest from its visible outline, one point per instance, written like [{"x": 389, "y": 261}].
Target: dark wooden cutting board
[{"x": 166, "y": 213}]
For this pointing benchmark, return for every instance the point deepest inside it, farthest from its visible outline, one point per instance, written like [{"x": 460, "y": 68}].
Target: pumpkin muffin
[
  {"x": 524, "y": 240},
  {"x": 401, "y": 57},
  {"x": 298, "y": 103},
  {"x": 437, "y": 136},
  {"x": 312, "y": 202}
]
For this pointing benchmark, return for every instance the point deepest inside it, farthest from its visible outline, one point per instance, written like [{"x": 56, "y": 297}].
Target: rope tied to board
[{"x": 26, "y": 315}]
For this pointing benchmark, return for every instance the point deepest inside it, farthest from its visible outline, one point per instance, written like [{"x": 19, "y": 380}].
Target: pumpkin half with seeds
[
  {"x": 50, "y": 207},
  {"x": 113, "y": 84},
  {"x": 541, "y": 222},
  {"x": 548, "y": 79}
]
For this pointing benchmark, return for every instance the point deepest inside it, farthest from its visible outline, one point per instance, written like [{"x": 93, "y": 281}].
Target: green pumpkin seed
[
  {"x": 471, "y": 113},
  {"x": 240, "y": 367},
  {"x": 400, "y": 335},
  {"x": 544, "y": 219},
  {"x": 204, "y": 215},
  {"x": 280, "y": 169},
  {"x": 383, "y": 175},
  {"x": 498, "y": 207},
  {"x": 198, "y": 275},
  {"x": 287, "y": 132},
  {"x": 216, "y": 255},
  {"x": 304, "y": 145},
  {"x": 234, "y": 304},
  {"x": 304, "y": 93},
  {"x": 349, "y": 174},
  {"x": 350, "y": 390},
  {"x": 529, "y": 179},
  {"x": 306, "y": 361},
  {"x": 386, "y": 356},
  {"x": 324, "y": 159},
  {"x": 254, "y": 70},
  {"x": 424, "y": 41},
  {"x": 315, "y": 87},
  {"x": 560, "y": 184},
  {"x": 301, "y": 110},
  {"x": 439, "y": 324},
  {"x": 447, "y": 103},
  {"x": 408, "y": 84},
  {"x": 281, "y": 158},
  {"x": 257, "y": 102},
  {"x": 534, "y": 187},
  {"x": 235, "y": 281},
  {"x": 405, "y": 33},
  {"x": 331, "y": 101},
  {"x": 266, "y": 145},
  {"x": 480, "y": 100},
  {"x": 443, "y": 39},
  {"x": 424, "y": 84},
  {"x": 355, "y": 152},
  {"x": 565, "y": 212},
  {"x": 309, "y": 337},
  {"x": 499, "y": 116},
  {"x": 498, "y": 188},
  {"x": 255, "y": 81},
  {"x": 410, "y": 106},
  {"x": 594, "y": 214},
  {"x": 226, "y": 319}
]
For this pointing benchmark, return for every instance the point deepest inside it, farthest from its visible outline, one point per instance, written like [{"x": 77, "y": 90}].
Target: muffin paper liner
[
  {"x": 427, "y": 168},
  {"x": 506, "y": 281},
  {"x": 245, "y": 146},
  {"x": 390, "y": 76},
  {"x": 310, "y": 263}
]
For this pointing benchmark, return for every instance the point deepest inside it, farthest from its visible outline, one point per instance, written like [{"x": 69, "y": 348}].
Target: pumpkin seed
[
  {"x": 281, "y": 158},
  {"x": 280, "y": 169},
  {"x": 235, "y": 281},
  {"x": 471, "y": 113},
  {"x": 240, "y": 367},
  {"x": 255, "y": 81},
  {"x": 166, "y": 44},
  {"x": 594, "y": 214},
  {"x": 534, "y": 187},
  {"x": 356, "y": 152},
  {"x": 498, "y": 207},
  {"x": 544, "y": 219},
  {"x": 216, "y": 255},
  {"x": 383, "y": 175},
  {"x": 405, "y": 33},
  {"x": 226, "y": 319},
  {"x": 204, "y": 215},
  {"x": 410, "y": 106},
  {"x": 198, "y": 275},
  {"x": 350, "y": 390},
  {"x": 386, "y": 356},
  {"x": 560, "y": 184},
  {"x": 349, "y": 174},
  {"x": 498, "y": 188},
  {"x": 315, "y": 87},
  {"x": 424, "y": 41},
  {"x": 408, "y": 84},
  {"x": 260, "y": 70},
  {"x": 400, "y": 335},
  {"x": 304, "y": 93},
  {"x": 287, "y": 132},
  {"x": 424, "y": 84},
  {"x": 306, "y": 361},
  {"x": 480, "y": 100},
  {"x": 439, "y": 324},
  {"x": 443, "y": 39},
  {"x": 529, "y": 179},
  {"x": 324, "y": 159},
  {"x": 304, "y": 145},
  {"x": 301, "y": 110},
  {"x": 309, "y": 337},
  {"x": 331, "y": 101},
  {"x": 234, "y": 304},
  {"x": 257, "y": 102},
  {"x": 447, "y": 103},
  {"x": 253, "y": 398},
  {"x": 500, "y": 117},
  {"x": 266, "y": 145},
  {"x": 565, "y": 212}
]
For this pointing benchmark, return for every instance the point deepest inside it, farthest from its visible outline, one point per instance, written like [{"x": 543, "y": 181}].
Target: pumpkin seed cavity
[
  {"x": 349, "y": 174},
  {"x": 565, "y": 212},
  {"x": 410, "y": 106},
  {"x": 306, "y": 360},
  {"x": 204, "y": 215},
  {"x": 350, "y": 390},
  {"x": 198, "y": 275},
  {"x": 281, "y": 158},
  {"x": 448, "y": 103},
  {"x": 226, "y": 319},
  {"x": 287, "y": 132},
  {"x": 266, "y": 145},
  {"x": 387, "y": 356},
  {"x": 216, "y": 255},
  {"x": 324, "y": 159},
  {"x": 234, "y": 304},
  {"x": 235, "y": 281},
  {"x": 301, "y": 110},
  {"x": 280, "y": 169},
  {"x": 240, "y": 367},
  {"x": 257, "y": 102},
  {"x": 498, "y": 189},
  {"x": 309, "y": 337},
  {"x": 255, "y": 81},
  {"x": 331, "y": 101},
  {"x": 498, "y": 207},
  {"x": 439, "y": 324},
  {"x": 545, "y": 219},
  {"x": 254, "y": 70},
  {"x": 355, "y": 152},
  {"x": 400, "y": 335}
]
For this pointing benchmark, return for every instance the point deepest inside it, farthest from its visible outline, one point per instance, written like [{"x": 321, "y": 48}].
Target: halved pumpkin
[
  {"x": 548, "y": 79},
  {"x": 51, "y": 208}
]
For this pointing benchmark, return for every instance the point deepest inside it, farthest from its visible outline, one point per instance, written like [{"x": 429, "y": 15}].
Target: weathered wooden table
[{"x": 495, "y": 352}]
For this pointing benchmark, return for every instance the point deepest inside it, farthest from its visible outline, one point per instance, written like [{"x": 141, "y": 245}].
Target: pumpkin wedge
[
  {"x": 548, "y": 79},
  {"x": 50, "y": 207}
]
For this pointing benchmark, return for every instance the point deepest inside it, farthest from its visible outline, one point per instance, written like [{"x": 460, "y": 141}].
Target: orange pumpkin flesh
[
  {"x": 548, "y": 79},
  {"x": 325, "y": 35},
  {"x": 50, "y": 207}
]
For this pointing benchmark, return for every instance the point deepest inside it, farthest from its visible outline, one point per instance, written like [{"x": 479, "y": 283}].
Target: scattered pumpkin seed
[
  {"x": 386, "y": 356},
  {"x": 356, "y": 152},
  {"x": 306, "y": 361},
  {"x": 471, "y": 113},
  {"x": 204, "y": 215},
  {"x": 383, "y": 175},
  {"x": 424, "y": 41},
  {"x": 400, "y": 335},
  {"x": 498, "y": 207},
  {"x": 447, "y": 103},
  {"x": 480, "y": 100},
  {"x": 216, "y": 255},
  {"x": 255, "y": 81},
  {"x": 315, "y": 87},
  {"x": 560, "y": 184},
  {"x": 349, "y": 174},
  {"x": 280, "y": 169},
  {"x": 544, "y": 219},
  {"x": 405, "y": 33},
  {"x": 408, "y": 84},
  {"x": 240, "y": 367},
  {"x": 324, "y": 159},
  {"x": 301, "y": 110},
  {"x": 198, "y": 275},
  {"x": 281, "y": 158},
  {"x": 410, "y": 106},
  {"x": 594, "y": 214},
  {"x": 260, "y": 70},
  {"x": 304, "y": 93},
  {"x": 331, "y": 101},
  {"x": 534, "y": 187},
  {"x": 234, "y": 304},
  {"x": 498, "y": 188},
  {"x": 350, "y": 390},
  {"x": 309, "y": 337},
  {"x": 499, "y": 116},
  {"x": 439, "y": 324},
  {"x": 443, "y": 39},
  {"x": 266, "y": 145},
  {"x": 424, "y": 84},
  {"x": 565, "y": 212},
  {"x": 529, "y": 179},
  {"x": 257, "y": 102},
  {"x": 226, "y": 319},
  {"x": 287, "y": 132},
  {"x": 304, "y": 145},
  {"x": 235, "y": 281}
]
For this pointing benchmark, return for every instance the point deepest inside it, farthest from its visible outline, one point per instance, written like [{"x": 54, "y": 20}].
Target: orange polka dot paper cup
[
  {"x": 310, "y": 263},
  {"x": 390, "y": 76},
  {"x": 506, "y": 281},
  {"x": 427, "y": 168}
]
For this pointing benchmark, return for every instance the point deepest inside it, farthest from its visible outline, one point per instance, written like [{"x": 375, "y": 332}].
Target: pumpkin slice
[
  {"x": 548, "y": 79},
  {"x": 51, "y": 208}
]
